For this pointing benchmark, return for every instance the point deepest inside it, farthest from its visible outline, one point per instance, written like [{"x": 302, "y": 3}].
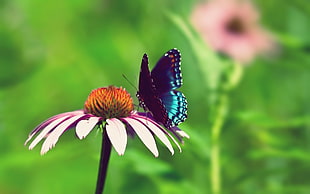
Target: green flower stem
[
  {"x": 215, "y": 172},
  {"x": 220, "y": 112},
  {"x": 213, "y": 70},
  {"x": 104, "y": 161}
]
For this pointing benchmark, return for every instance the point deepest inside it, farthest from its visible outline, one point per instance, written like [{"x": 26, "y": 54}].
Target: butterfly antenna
[{"x": 130, "y": 82}]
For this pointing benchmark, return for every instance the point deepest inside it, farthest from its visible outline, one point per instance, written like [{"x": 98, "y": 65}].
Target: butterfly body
[{"x": 157, "y": 89}]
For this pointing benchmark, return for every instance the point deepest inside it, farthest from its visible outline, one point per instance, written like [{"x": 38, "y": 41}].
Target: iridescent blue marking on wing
[{"x": 176, "y": 106}]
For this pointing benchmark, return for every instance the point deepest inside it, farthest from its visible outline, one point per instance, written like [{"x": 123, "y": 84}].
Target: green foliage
[{"x": 53, "y": 53}]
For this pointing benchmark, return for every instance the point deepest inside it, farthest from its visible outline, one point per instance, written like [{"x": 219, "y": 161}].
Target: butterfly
[{"x": 157, "y": 89}]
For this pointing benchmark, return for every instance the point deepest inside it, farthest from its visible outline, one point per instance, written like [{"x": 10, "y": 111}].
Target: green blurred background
[{"x": 53, "y": 53}]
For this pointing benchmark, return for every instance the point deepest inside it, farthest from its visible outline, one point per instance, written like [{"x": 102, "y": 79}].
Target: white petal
[
  {"x": 48, "y": 121},
  {"x": 44, "y": 132},
  {"x": 182, "y": 134},
  {"x": 117, "y": 135},
  {"x": 158, "y": 132},
  {"x": 144, "y": 134},
  {"x": 173, "y": 139},
  {"x": 84, "y": 127},
  {"x": 52, "y": 139}
]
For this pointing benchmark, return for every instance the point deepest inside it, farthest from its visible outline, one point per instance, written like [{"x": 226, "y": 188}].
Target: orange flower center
[{"x": 109, "y": 102}]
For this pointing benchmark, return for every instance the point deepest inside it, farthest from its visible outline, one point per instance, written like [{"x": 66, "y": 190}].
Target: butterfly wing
[
  {"x": 167, "y": 77},
  {"x": 176, "y": 106},
  {"x": 167, "y": 74},
  {"x": 148, "y": 97},
  {"x": 146, "y": 89}
]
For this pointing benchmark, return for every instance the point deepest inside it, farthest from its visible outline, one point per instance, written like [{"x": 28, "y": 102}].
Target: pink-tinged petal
[
  {"x": 117, "y": 135},
  {"x": 173, "y": 139},
  {"x": 158, "y": 132},
  {"x": 183, "y": 134},
  {"x": 52, "y": 138},
  {"x": 44, "y": 132},
  {"x": 84, "y": 127},
  {"x": 175, "y": 142},
  {"x": 53, "y": 118},
  {"x": 144, "y": 134}
]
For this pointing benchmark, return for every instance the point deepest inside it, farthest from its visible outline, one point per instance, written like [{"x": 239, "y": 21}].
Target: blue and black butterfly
[{"x": 157, "y": 89}]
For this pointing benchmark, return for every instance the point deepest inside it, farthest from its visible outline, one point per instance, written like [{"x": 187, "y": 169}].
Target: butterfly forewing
[
  {"x": 148, "y": 97},
  {"x": 145, "y": 80},
  {"x": 167, "y": 74}
]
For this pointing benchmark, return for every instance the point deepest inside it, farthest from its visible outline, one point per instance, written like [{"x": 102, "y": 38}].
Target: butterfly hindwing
[{"x": 176, "y": 106}]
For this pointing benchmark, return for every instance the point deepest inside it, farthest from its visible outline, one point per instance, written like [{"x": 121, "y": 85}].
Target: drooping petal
[
  {"x": 173, "y": 139},
  {"x": 177, "y": 132},
  {"x": 175, "y": 142},
  {"x": 173, "y": 130},
  {"x": 52, "y": 139},
  {"x": 84, "y": 127},
  {"x": 144, "y": 134},
  {"x": 53, "y": 118},
  {"x": 158, "y": 132},
  {"x": 117, "y": 134},
  {"x": 45, "y": 131},
  {"x": 182, "y": 134}
]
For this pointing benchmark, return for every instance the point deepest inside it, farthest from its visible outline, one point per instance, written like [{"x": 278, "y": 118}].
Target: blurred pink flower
[{"x": 232, "y": 27}]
